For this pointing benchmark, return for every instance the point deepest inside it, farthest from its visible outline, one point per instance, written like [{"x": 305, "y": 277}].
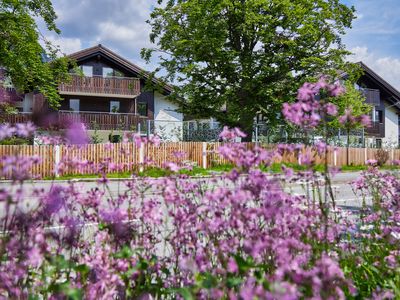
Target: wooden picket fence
[{"x": 56, "y": 160}]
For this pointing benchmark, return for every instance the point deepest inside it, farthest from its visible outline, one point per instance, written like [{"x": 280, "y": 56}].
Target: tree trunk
[{"x": 246, "y": 124}]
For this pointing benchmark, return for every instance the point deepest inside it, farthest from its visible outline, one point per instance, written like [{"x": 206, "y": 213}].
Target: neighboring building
[
  {"x": 385, "y": 101},
  {"x": 8, "y": 94},
  {"x": 110, "y": 96}
]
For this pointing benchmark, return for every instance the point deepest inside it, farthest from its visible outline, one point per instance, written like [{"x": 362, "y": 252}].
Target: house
[
  {"x": 384, "y": 130},
  {"x": 8, "y": 94},
  {"x": 108, "y": 94},
  {"x": 385, "y": 102}
]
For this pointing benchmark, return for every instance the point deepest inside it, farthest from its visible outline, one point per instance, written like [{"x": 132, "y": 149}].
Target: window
[
  {"x": 118, "y": 73},
  {"x": 114, "y": 106},
  {"x": 378, "y": 143},
  {"x": 108, "y": 72},
  {"x": 142, "y": 109},
  {"x": 74, "y": 105},
  {"x": 87, "y": 70},
  {"x": 378, "y": 116}
]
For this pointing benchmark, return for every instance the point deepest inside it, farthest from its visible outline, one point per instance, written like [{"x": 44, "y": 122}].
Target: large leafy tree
[
  {"x": 232, "y": 59},
  {"x": 21, "y": 53}
]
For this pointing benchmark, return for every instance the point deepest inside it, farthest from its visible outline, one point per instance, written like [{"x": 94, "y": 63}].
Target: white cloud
[
  {"x": 117, "y": 24},
  {"x": 387, "y": 67},
  {"x": 66, "y": 45}
]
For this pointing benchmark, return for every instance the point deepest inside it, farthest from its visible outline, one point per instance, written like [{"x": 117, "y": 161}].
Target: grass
[
  {"x": 197, "y": 171},
  {"x": 150, "y": 172}
]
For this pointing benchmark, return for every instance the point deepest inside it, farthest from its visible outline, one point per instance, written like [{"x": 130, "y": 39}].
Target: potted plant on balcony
[
  {"x": 115, "y": 109},
  {"x": 114, "y": 138}
]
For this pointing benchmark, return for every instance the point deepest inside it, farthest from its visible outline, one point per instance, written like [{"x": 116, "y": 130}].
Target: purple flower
[
  {"x": 331, "y": 109},
  {"x": 76, "y": 134},
  {"x": 231, "y": 134},
  {"x": 336, "y": 90},
  {"x": 321, "y": 147},
  {"x": 172, "y": 166},
  {"x": 54, "y": 200},
  {"x": 25, "y": 130},
  {"x": 6, "y": 131},
  {"x": 365, "y": 120},
  {"x": 35, "y": 257},
  {"x": 306, "y": 92},
  {"x": 232, "y": 266}
]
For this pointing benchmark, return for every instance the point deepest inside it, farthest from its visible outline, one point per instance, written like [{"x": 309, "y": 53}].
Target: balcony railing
[
  {"x": 101, "y": 86},
  {"x": 372, "y": 96},
  {"x": 92, "y": 120},
  {"x": 102, "y": 121},
  {"x": 376, "y": 129}
]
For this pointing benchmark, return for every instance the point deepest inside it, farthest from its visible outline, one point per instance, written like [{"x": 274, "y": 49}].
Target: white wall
[
  {"x": 391, "y": 127},
  {"x": 167, "y": 121},
  {"x": 27, "y": 105}
]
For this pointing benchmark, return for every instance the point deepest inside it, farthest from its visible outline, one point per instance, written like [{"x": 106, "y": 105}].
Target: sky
[{"x": 121, "y": 26}]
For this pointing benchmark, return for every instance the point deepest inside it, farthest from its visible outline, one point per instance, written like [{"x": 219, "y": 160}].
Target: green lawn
[{"x": 197, "y": 171}]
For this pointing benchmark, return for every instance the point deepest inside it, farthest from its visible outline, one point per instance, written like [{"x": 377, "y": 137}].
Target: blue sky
[
  {"x": 120, "y": 25},
  {"x": 375, "y": 37}
]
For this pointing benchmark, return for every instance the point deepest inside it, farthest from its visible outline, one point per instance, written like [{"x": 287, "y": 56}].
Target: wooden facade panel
[{"x": 99, "y": 104}]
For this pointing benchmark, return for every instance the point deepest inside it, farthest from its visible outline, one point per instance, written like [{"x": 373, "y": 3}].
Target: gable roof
[
  {"x": 100, "y": 49},
  {"x": 381, "y": 82}
]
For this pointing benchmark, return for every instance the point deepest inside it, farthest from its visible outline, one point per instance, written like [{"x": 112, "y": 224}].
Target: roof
[
  {"x": 100, "y": 49},
  {"x": 383, "y": 83}
]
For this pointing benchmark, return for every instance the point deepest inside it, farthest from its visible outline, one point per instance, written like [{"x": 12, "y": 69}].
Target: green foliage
[
  {"x": 96, "y": 138},
  {"x": 353, "y": 99},
  {"x": 21, "y": 53},
  {"x": 16, "y": 141},
  {"x": 8, "y": 109},
  {"x": 233, "y": 59}
]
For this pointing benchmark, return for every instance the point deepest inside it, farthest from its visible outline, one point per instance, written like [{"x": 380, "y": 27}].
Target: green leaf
[
  {"x": 83, "y": 270},
  {"x": 126, "y": 252},
  {"x": 185, "y": 293},
  {"x": 234, "y": 282}
]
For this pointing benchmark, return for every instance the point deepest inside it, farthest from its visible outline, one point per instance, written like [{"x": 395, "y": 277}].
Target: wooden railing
[
  {"x": 15, "y": 118},
  {"x": 376, "y": 129},
  {"x": 92, "y": 120},
  {"x": 98, "y": 85},
  {"x": 102, "y": 121},
  {"x": 372, "y": 96}
]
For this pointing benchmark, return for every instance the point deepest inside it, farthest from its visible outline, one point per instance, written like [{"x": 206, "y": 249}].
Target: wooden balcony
[
  {"x": 102, "y": 121},
  {"x": 122, "y": 87},
  {"x": 377, "y": 129},
  {"x": 16, "y": 118},
  {"x": 372, "y": 96},
  {"x": 92, "y": 120}
]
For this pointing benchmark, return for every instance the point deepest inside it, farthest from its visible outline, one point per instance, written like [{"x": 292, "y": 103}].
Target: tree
[
  {"x": 353, "y": 112},
  {"x": 352, "y": 99},
  {"x": 21, "y": 53},
  {"x": 232, "y": 59}
]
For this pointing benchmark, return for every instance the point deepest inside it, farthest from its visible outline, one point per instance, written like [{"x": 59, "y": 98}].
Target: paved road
[
  {"x": 345, "y": 197},
  {"x": 340, "y": 184}
]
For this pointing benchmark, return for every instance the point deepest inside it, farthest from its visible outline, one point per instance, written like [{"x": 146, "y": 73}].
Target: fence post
[
  {"x": 204, "y": 155},
  {"x": 392, "y": 155},
  {"x": 335, "y": 157},
  {"x": 299, "y": 154},
  {"x": 141, "y": 157},
  {"x": 139, "y": 128},
  {"x": 256, "y": 134},
  {"x": 57, "y": 160},
  {"x": 148, "y": 128},
  {"x": 365, "y": 154}
]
